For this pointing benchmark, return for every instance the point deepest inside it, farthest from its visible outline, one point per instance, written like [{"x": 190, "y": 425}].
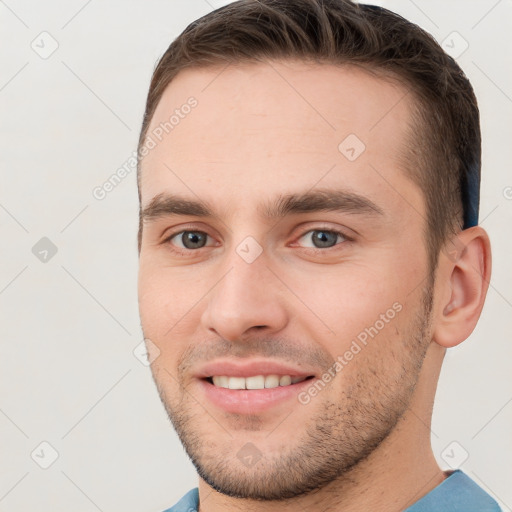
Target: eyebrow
[{"x": 319, "y": 200}]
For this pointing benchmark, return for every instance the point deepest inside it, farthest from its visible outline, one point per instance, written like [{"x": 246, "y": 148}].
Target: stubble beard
[{"x": 340, "y": 435}]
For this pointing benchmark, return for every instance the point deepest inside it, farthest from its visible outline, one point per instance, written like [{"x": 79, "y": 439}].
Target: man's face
[{"x": 239, "y": 293}]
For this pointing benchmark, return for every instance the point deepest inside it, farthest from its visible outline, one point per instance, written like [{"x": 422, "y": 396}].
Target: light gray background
[{"x": 69, "y": 325}]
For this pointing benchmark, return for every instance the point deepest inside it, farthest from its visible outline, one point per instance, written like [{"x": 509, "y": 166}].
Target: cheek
[
  {"x": 170, "y": 304},
  {"x": 152, "y": 302},
  {"x": 348, "y": 298},
  {"x": 159, "y": 321},
  {"x": 161, "y": 301}
]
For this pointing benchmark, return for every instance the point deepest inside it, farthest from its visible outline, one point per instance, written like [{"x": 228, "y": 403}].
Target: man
[{"x": 309, "y": 185}]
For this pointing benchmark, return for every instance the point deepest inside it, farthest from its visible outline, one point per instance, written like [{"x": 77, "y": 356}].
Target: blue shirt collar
[{"x": 457, "y": 493}]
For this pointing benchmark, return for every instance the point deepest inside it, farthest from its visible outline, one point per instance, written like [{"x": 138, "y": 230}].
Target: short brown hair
[{"x": 443, "y": 151}]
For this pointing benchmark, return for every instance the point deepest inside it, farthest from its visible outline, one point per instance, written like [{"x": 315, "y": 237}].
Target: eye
[
  {"x": 323, "y": 238},
  {"x": 188, "y": 240}
]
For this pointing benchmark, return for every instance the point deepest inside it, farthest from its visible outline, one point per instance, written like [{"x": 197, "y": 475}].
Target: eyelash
[{"x": 314, "y": 250}]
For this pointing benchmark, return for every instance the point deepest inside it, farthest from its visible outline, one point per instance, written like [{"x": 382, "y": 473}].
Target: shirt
[{"x": 457, "y": 493}]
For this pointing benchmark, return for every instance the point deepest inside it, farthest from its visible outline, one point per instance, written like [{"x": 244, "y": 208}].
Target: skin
[{"x": 260, "y": 130}]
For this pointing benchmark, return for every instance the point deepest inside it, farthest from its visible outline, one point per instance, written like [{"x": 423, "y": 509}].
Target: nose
[{"x": 247, "y": 298}]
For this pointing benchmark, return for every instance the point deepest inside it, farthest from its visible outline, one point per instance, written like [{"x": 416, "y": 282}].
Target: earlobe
[{"x": 463, "y": 280}]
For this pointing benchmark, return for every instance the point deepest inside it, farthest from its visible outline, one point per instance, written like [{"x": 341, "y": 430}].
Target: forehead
[{"x": 256, "y": 129}]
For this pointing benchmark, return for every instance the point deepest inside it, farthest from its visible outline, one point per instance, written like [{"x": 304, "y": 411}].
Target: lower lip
[{"x": 253, "y": 401}]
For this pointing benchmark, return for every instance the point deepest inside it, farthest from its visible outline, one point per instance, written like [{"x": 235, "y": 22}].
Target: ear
[{"x": 462, "y": 281}]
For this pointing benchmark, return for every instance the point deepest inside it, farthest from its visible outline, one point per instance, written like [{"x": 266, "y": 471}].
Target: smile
[{"x": 254, "y": 382}]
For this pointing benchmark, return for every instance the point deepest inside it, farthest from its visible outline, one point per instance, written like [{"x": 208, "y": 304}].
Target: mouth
[
  {"x": 256, "y": 394},
  {"x": 252, "y": 386},
  {"x": 255, "y": 382}
]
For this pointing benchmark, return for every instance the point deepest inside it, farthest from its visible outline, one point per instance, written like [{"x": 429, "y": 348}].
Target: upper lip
[{"x": 249, "y": 368}]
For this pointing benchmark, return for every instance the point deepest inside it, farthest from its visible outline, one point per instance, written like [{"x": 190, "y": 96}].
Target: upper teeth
[{"x": 256, "y": 382}]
